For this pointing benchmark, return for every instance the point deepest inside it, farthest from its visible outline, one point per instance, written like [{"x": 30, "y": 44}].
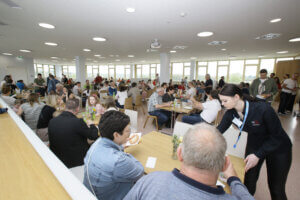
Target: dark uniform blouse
[
  {"x": 265, "y": 133},
  {"x": 167, "y": 97}
]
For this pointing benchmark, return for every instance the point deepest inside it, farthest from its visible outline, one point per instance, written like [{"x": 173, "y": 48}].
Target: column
[
  {"x": 193, "y": 70},
  {"x": 30, "y": 69},
  {"x": 164, "y": 68},
  {"x": 80, "y": 69}
]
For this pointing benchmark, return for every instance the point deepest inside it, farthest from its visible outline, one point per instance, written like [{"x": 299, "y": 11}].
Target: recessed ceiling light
[
  {"x": 25, "y": 50},
  {"x": 275, "y": 20},
  {"x": 99, "y": 39},
  {"x": 7, "y": 54},
  {"x": 193, "y": 58},
  {"x": 261, "y": 56},
  {"x": 118, "y": 60},
  {"x": 50, "y": 43},
  {"x": 45, "y": 25},
  {"x": 54, "y": 57},
  {"x": 295, "y": 40},
  {"x": 87, "y": 50},
  {"x": 172, "y": 51},
  {"x": 111, "y": 55},
  {"x": 97, "y": 55},
  {"x": 130, "y": 56},
  {"x": 205, "y": 34},
  {"x": 281, "y": 52},
  {"x": 130, "y": 10},
  {"x": 223, "y": 49}
]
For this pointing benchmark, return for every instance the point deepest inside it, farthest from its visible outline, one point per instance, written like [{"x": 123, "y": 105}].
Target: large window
[
  {"x": 120, "y": 72},
  {"x": 103, "y": 69},
  {"x": 250, "y": 73},
  {"x": 267, "y": 64},
  {"x": 44, "y": 69},
  {"x": 111, "y": 71},
  {"x": 69, "y": 71},
  {"x": 201, "y": 73},
  {"x": 236, "y": 69},
  {"x": 222, "y": 71},
  {"x": 212, "y": 70},
  {"x": 146, "y": 71},
  {"x": 177, "y": 72}
]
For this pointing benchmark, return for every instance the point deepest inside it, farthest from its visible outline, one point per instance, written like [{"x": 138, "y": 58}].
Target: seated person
[
  {"x": 20, "y": 84},
  {"x": 94, "y": 103},
  {"x": 68, "y": 135},
  {"x": 77, "y": 89},
  {"x": 121, "y": 96},
  {"x": 168, "y": 96},
  {"x": 6, "y": 91},
  {"x": 154, "y": 105},
  {"x": 164, "y": 85},
  {"x": 191, "y": 92},
  {"x": 134, "y": 92},
  {"x": 112, "y": 90},
  {"x": 110, "y": 172},
  {"x": 181, "y": 86},
  {"x": 110, "y": 104},
  {"x": 209, "y": 109},
  {"x": 202, "y": 157}
]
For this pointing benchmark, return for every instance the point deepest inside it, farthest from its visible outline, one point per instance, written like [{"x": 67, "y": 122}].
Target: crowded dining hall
[{"x": 149, "y": 100}]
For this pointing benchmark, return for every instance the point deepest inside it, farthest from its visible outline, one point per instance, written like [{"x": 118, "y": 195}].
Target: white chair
[
  {"x": 78, "y": 172},
  {"x": 231, "y": 136},
  {"x": 181, "y": 128},
  {"x": 133, "y": 115}
]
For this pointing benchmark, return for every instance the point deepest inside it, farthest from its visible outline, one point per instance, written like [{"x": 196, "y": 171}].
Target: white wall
[{"x": 19, "y": 68}]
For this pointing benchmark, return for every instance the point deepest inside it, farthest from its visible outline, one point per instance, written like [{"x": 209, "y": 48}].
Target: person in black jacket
[
  {"x": 266, "y": 139},
  {"x": 168, "y": 96},
  {"x": 68, "y": 135}
]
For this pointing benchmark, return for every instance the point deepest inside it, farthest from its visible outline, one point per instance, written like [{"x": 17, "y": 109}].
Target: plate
[{"x": 139, "y": 135}]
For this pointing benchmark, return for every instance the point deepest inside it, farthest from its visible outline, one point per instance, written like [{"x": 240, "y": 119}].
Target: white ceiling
[{"x": 77, "y": 21}]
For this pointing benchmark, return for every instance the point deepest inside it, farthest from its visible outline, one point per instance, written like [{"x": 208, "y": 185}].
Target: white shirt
[
  {"x": 10, "y": 101},
  {"x": 121, "y": 96},
  {"x": 75, "y": 90},
  {"x": 290, "y": 83},
  {"x": 210, "y": 110},
  {"x": 191, "y": 92}
]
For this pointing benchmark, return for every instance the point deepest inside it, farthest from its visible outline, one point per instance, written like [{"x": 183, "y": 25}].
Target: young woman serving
[{"x": 266, "y": 139}]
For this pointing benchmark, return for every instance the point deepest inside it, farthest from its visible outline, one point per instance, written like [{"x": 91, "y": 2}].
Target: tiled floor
[{"x": 291, "y": 126}]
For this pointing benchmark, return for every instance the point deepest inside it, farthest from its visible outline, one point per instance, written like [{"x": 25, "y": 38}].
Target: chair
[
  {"x": 154, "y": 118},
  {"x": 218, "y": 118},
  {"x": 138, "y": 103},
  {"x": 78, "y": 172},
  {"x": 128, "y": 104},
  {"x": 181, "y": 128},
  {"x": 133, "y": 115},
  {"x": 231, "y": 136}
]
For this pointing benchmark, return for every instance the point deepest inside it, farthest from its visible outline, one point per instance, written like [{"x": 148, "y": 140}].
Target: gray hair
[
  {"x": 204, "y": 147},
  {"x": 159, "y": 89},
  {"x": 72, "y": 104}
]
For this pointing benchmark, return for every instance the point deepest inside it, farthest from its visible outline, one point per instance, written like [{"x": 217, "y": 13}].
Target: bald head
[{"x": 204, "y": 147}]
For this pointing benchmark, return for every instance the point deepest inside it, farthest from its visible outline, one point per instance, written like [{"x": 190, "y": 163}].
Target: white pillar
[
  {"x": 58, "y": 71},
  {"x": 80, "y": 69},
  {"x": 193, "y": 70},
  {"x": 131, "y": 71},
  {"x": 30, "y": 70},
  {"x": 164, "y": 68}
]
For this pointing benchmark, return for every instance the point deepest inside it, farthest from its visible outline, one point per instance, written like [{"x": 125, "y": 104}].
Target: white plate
[{"x": 132, "y": 134}]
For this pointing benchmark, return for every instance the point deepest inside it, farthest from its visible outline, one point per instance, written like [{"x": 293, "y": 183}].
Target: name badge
[{"x": 237, "y": 122}]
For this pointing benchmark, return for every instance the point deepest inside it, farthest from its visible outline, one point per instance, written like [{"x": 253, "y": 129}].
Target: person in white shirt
[
  {"x": 191, "y": 92},
  {"x": 209, "y": 109},
  {"x": 288, "y": 87},
  {"x": 121, "y": 96},
  {"x": 77, "y": 89},
  {"x": 10, "y": 101},
  {"x": 291, "y": 101}
]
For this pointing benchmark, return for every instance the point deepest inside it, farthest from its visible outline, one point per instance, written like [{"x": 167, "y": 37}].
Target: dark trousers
[
  {"x": 290, "y": 103},
  {"x": 284, "y": 98},
  {"x": 163, "y": 116},
  {"x": 192, "y": 119},
  {"x": 278, "y": 166}
]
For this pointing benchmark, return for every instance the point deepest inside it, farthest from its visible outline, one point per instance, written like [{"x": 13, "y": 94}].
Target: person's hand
[
  {"x": 251, "y": 161},
  {"x": 90, "y": 122},
  {"x": 267, "y": 95},
  {"x": 230, "y": 171}
]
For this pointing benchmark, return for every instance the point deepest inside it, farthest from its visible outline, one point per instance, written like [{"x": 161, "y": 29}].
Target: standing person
[
  {"x": 51, "y": 86},
  {"x": 121, "y": 96},
  {"x": 109, "y": 172},
  {"x": 134, "y": 92},
  {"x": 263, "y": 88},
  {"x": 112, "y": 90},
  {"x": 157, "y": 81},
  {"x": 68, "y": 135},
  {"x": 267, "y": 140},
  {"x": 64, "y": 79},
  {"x": 221, "y": 82},
  {"x": 208, "y": 84},
  {"x": 272, "y": 75},
  {"x": 39, "y": 85},
  {"x": 288, "y": 87},
  {"x": 291, "y": 101}
]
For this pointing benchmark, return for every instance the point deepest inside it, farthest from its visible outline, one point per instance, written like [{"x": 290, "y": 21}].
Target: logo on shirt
[{"x": 255, "y": 123}]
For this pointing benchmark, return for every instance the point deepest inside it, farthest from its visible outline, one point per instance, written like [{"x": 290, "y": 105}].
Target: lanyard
[{"x": 242, "y": 126}]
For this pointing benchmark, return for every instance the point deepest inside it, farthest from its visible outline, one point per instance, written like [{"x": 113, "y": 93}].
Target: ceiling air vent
[
  {"x": 268, "y": 36},
  {"x": 217, "y": 42}
]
